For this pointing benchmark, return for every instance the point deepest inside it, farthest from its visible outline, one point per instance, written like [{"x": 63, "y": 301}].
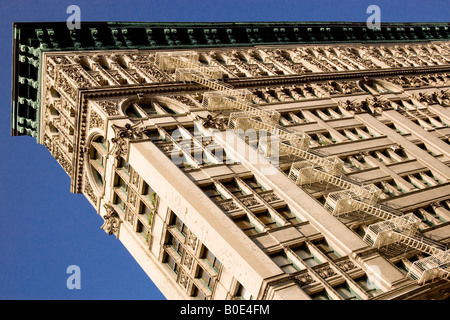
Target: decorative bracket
[
  {"x": 124, "y": 134},
  {"x": 112, "y": 221}
]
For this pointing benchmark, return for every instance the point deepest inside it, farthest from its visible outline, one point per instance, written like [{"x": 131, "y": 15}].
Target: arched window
[
  {"x": 132, "y": 112},
  {"x": 149, "y": 107},
  {"x": 97, "y": 160}
]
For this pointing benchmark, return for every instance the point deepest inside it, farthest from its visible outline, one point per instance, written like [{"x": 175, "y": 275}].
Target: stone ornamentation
[
  {"x": 214, "y": 122},
  {"x": 112, "y": 221},
  {"x": 123, "y": 135},
  {"x": 351, "y": 106}
]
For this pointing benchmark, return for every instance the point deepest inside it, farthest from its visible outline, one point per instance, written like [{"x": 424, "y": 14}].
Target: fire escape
[{"x": 394, "y": 227}]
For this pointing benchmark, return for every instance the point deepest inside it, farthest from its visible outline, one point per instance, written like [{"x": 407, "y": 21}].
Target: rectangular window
[
  {"x": 242, "y": 293},
  {"x": 176, "y": 245},
  {"x": 180, "y": 225},
  {"x": 211, "y": 259},
  {"x": 323, "y": 295},
  {"x": 212, "y": 193},
  {"x": 245, "y": 225},
  {"x": 146, "y": 212},
  {"x": 149, "y": 193},
  {"x": 368, "y": 286},
  {"x": 198, "y": 294},
  {"x": 122, "y": 185},
  {"x": 284, "y": 262},
  {"x": 118, "y": 200},
  {"x": 253, "y": 184},
  {"x": 346, "y": 292},
  {"x": 125, "y": 166},
  {"x": 205, "y": 278},
  {"x": 233, "y": 188},
  {"x": 267, "y": 219},
  {"x": 154, "y": 136},
  {"x": 172, "y": 264},
  {"x": 306, "y": 255},
  {"x": 324, "y": 247},
  {"x": 143, "y": 231},
  {"x": 286, "y": 213}
]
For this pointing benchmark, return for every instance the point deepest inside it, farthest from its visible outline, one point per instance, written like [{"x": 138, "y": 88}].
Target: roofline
[{"x": 30, "y": 39}]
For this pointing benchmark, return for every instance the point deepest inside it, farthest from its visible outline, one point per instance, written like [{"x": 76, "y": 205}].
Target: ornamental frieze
[
  {"x": 96, "y": 121},
  {"x": 110, "y": 107},
  {"x": 62, "y": 160},
  {"x": 65, "y": 88},
  {"x": 75, "y": 74},
  {"x": 184, "y": 100}
]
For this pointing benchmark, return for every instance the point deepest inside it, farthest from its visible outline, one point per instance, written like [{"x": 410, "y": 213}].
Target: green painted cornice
[{"x": 31, "y": 39}]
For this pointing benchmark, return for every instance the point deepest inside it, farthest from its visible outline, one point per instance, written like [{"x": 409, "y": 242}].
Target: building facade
[{"x": 253, "y": 161}]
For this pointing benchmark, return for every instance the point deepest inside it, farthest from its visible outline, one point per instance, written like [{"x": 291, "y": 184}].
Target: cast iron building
[{"x": 253, "y": 160}]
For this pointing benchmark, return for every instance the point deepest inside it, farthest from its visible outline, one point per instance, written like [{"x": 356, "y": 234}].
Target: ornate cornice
[{"x": 31, "y": 39}]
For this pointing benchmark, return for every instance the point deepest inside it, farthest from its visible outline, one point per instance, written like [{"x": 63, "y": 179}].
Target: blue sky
[{"x": 43, "y": 227}]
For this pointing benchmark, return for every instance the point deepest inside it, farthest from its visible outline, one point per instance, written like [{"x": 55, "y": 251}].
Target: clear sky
[{"x": 43, "y": 227}]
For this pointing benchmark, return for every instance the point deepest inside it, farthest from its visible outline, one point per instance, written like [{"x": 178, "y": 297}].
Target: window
[
  {"x": 97, "y": 177},
  {"x": 242, "y": 293},
  {"x": 180, "y": 226},
  {"x": 368, "y": 286},
  {"x": 170, "y": 262},
  {"x": 98, "y": 157},
  {"x": 267, "y": 219},
  {"x": 205, "y": 278},
  {"x": 150, "y": 193},
  {"x": 306, "y": 255},
  {"x": 253, "y": 184},
  {"x": 211, "y": 259},
  {"x": 324, "y": 247},
  {"x": 132, "y": 112},
  {"x": 154, "y": 135},
  {"x": 146, "y": 212},
  {"x": 121, "y": 184},
  {"x": 176, "y": 245},
  {"x": 125, "y": 166},
  {"x": 346, "y": 292},
  {"x": 323, "y": 295},
  {"x": 143, "y": 231},
  {"x": 233, "y": 188},
  {"x": 286, "y": 213},
  {"x": 198, "y": 294},
  {"x": 167, "y": 109},
  {"x": 149, "y": 108},
  {"x": 97, "y": 153},
  {"x": 245, "y": 225},
  {"x": 212, "y": 193},
  {"x": 402, "y": 267},
  {"x": 284, "y": 262},
  {"x": 118, "y": 201}
]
